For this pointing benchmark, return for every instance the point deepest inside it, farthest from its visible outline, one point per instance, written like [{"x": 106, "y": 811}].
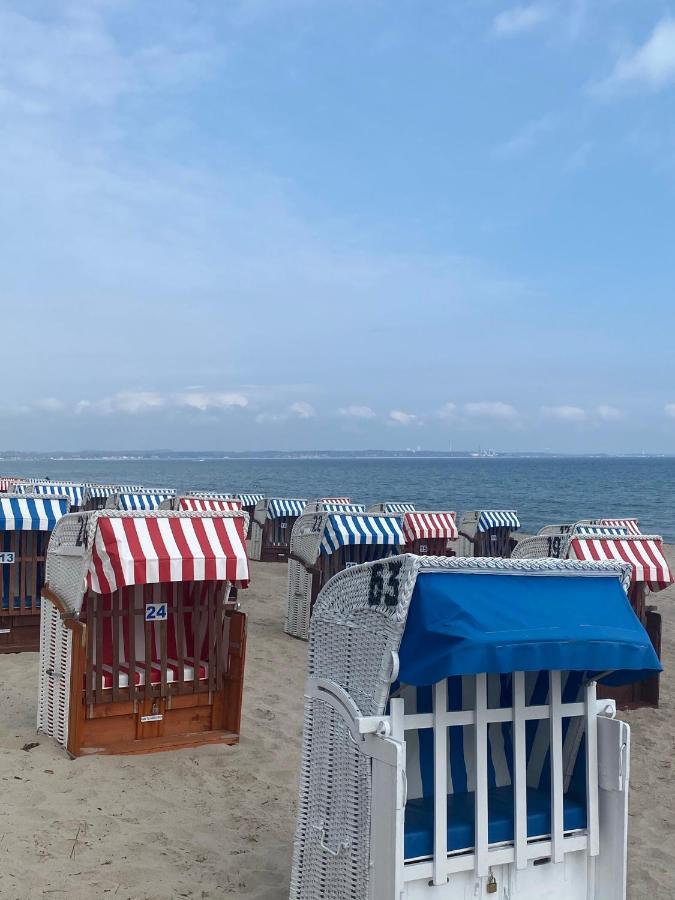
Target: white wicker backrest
[{"x": 306, "y": 536}]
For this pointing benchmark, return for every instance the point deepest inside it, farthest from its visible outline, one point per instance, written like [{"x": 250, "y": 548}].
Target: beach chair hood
[
  {"x": 429, "y": 525},
  {"x": 32, "y": 513},
  {"x": 106, "y": 550}
]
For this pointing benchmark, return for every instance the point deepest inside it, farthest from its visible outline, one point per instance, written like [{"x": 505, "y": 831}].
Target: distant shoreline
[{"x": 305, "y": 455}]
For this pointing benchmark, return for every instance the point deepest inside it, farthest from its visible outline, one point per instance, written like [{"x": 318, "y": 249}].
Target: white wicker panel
[
  {"x": 54, "y": 689},
  {"x": 299, "y": 600}
]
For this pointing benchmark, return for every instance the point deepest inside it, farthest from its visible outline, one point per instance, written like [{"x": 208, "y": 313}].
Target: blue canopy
[{"x": 462, "y": 623}]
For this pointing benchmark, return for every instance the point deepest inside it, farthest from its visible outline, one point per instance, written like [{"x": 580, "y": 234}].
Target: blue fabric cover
[
  {"x": 419, "y": 819},
  {"x": 462, "y": 623}
]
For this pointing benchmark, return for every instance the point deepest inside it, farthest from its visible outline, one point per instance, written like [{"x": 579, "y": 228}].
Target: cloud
[
  {"x": 491, "y": 410},
  {"x": 447, "y": 411},
  {"x": 564, "y": 413},
  {"x": 520, "y": 19},
  {"x": 650, "y": 67},
  {"x": 528, "y": 137},
  {"x": 205, "y": 400},
  {"x": 356, "y": 412},
  {"x": 402, "y": 418},
  {"x": 609, "y": 413},
  {"x": 50, "y": 404},
  {"x": 669, "y": 410},
  {"x": 132, "y": 402},
  {"x": 302, "y": 409}
]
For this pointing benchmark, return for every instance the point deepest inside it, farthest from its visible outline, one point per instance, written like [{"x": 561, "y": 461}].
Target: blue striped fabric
[
  {"x": 30, "y": 513},
  {"x": 461, "y": 774},
  {"x": 600, "y": 531},
  {"x": 498, "y": 518},
  {"x": 344, "y": 531},
  {"x": 399, "y": 507},
  {"x": 344, "y": 507},
  {"x": 278, "y": 507},
  {"x": 249, "y": 499},
  {"x": 147, "y": 502},
  {"x": 74, "y": 492},
  {"x": 209, "y": 495}
]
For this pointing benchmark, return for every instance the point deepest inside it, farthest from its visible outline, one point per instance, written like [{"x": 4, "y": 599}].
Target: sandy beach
[{"x": 218, "y": 821}]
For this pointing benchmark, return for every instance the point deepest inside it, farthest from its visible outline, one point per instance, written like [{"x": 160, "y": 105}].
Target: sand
[{"x": 218, "y": 821}]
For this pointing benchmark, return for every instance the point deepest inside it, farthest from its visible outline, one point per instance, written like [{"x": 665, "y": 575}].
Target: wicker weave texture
[{"x": 54, "y": 689}]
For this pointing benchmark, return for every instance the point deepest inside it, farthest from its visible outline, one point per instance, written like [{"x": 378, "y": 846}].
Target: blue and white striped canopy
[
  {"x": 344, "y": 531},
  {"x": 209, "y": 495},
  {"x": 600, "y": 531},
  {"x": 344, "y": 507},
  {"x": 147, "y": 502},
  {"x": 278, "y": 508},
  {"x": 399, "y": 507},
  {"x": 249, "y": 499},
  {"x": 97, "y": 491},
  {"x": 74, "y": 492},
  {"x": 498, "y": 518},
  {"x": 31, "y": 513}
]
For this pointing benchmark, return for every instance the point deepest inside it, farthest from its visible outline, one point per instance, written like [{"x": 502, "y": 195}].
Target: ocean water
[{"x": 541, "y": 490}]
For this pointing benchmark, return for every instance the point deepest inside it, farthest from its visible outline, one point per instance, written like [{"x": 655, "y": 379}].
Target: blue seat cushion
[{"x": 419, "y": 819}]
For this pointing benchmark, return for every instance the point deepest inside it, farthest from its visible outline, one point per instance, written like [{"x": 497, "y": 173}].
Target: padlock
[{"x": 491, "y": 884}]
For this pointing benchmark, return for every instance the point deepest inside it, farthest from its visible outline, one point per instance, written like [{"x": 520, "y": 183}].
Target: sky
[{"x": 295, "y": 224}]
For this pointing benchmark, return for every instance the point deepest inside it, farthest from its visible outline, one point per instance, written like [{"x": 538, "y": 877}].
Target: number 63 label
[
  {"x": 156, "y": 612},
  {"x": 381, "y": 592}
]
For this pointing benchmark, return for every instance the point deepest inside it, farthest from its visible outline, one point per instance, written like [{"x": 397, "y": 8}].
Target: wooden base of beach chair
[
  {"x": 172, "y": 715},
  {"x": 274, "y": 554},
  {"x": 429, "y": 547},
  {"x": 642, "y": 693},
  {"x": 20, "y": 634}
]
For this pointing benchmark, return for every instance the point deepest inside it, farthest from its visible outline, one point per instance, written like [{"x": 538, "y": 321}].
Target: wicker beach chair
[
  {"x": 650, "y": 573},
  {"x": 26, "y": 523},
  {"x": 423, "y": 776},
  {"x": 487, "y": 532},
  {"x": 248, "y": 504},
  {"x": 271, "y": 527},
  {"x": 326, "y": 542},
  {"x": 630, "y": 526},
  {"x": 146, "y": 500},
  {"x": 390, "y": 507},
  {"x": 142, "y": 647},
  {"x": 429, "y": 533},
  {"x": 74, "y": 492},
  {"x": 96, "y": 495}
]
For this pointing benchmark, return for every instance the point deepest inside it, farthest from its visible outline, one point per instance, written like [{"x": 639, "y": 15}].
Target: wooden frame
[
  {"x": 276, "y": 538},
  {"x": 141, "y": 718},
  {"x": 430, "y": 547},
  {"x": 22, "y": 581}
]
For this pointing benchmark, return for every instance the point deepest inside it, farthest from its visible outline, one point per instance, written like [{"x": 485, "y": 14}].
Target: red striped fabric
[
  {"x": 631, "y": 525},
  {"x": 420, "y": 525},
  {"x": 207, "y": 504},
  {"x": 152, "y": 549},
  {"x": 645, "y": 555}
]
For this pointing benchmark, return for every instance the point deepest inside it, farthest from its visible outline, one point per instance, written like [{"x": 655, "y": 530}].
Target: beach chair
[
  {"x": 26, "y": 524},
  {"x": 191, "y": 503},
  {"x": 324, "y": 543},
  {"x": 625, "y": 526},
  {"x": 271, "y": 527},
  {"x": 334, "y": 505},
  {"x": 248, "y": 504},
  {"x": 453, "y": 744},
  {"x": 210, "y": 495},
  {"x": 142, "y": 648},
  {"x": 96, "y": 495},
  {"x": 146, "y": 500},
  {"x": 487, "y": 532},
  {"x": 391, "y": 507},
  {"x": 650, "y": 572},
  {"x": 74, "y": 492},
  {"x": 7, "y": 483},
  {"x": 429, "y": 533}
]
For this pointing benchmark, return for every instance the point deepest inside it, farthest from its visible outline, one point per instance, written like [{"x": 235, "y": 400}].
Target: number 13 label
[{"x": 156, "y": 612}]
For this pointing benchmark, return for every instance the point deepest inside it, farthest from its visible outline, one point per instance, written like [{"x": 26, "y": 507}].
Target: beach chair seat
[{"x": 172, "y": 673}]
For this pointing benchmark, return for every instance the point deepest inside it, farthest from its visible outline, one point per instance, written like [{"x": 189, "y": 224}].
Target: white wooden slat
[
  {"x": 440, "y": 702},
  {"x": 519, "y": 770},
  {"x": 481, "y": 795},
  {"x": 555, "y": 722},
  {"x": 592, "y": 808}
]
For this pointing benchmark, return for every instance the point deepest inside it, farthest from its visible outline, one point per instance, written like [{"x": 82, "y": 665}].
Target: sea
[{"x": 542, "y": 490}]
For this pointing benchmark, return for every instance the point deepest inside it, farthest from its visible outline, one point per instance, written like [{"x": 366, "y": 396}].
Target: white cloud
[
  {"x": 132, "y": 402},
  {"x": 356, "y": 412},
  {"x": 303, "y": 410},
  {"x": 402, "y": 418},
  {"x": 50, "y": 404},
  {"x": 447, "y": 411},
  {"x": 564, "y": 413},
  {"x": 204, "y": 400},
  {"x": 491, "y": 410},
  {"x": 651, "y": 66},
  {"x": 669, "y": 410},
  {"x": 609, "y": 413},
  {"x": 528, "y": 137},
  {"x": 520, "y": 19}
]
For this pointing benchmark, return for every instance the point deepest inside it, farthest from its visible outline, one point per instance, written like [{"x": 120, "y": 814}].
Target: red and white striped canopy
[
  {"x": 420, "y": 525},
  {"x": 645, "y": 554},
  {"x": 631, "y": 525},
  {"x": 148, "y": 549},
  {"x": 7, "y": 483},
  {"x": 207, "y": 504}
]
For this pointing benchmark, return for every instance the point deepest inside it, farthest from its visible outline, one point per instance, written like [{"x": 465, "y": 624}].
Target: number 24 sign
[{"x": 156, "y": 612}]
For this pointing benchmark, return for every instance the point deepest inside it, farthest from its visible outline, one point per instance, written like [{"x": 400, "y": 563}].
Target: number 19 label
[{"x": 156, "y": 612}]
